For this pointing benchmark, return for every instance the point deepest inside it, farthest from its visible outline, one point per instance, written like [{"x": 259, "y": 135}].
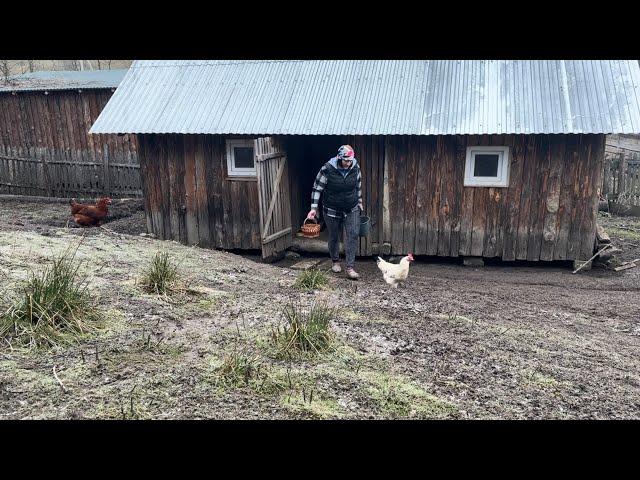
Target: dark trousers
[{"x": 351, "y": 225}]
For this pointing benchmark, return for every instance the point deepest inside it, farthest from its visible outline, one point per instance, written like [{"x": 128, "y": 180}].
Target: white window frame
[
  {"x": 232, "y": 170},
  {"x": 501, "y": 180}
]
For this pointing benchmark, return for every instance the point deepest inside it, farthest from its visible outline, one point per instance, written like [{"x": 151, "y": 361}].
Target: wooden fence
[
  {"x": 46, "y": 148},
  {"x": 60, "y": 178},
  {"x": 621, "y": 179}
]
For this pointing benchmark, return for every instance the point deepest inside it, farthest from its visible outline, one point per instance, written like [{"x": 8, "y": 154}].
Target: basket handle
[{"x": 305, "y": 220}]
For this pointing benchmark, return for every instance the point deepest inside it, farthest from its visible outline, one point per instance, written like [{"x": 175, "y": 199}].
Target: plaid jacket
[{"x": 321, "y": 182}]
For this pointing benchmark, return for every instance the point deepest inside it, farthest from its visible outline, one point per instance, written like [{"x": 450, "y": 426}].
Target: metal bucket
[{"x": 365, "y": 225}]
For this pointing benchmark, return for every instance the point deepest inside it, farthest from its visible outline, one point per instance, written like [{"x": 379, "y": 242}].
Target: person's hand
[
  {"x": 311, "y": 214},
  {"x": 360, "y": 207}
]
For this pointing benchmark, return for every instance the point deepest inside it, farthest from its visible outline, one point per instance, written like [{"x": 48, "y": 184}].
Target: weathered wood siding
[
  {"x": 46, "y": 149},
  {"x": 188, "y": 196},
  {"x": 548, "y": 212},
  {"x": 627, "y": 146},
  {"x": 370, "y": 154}
]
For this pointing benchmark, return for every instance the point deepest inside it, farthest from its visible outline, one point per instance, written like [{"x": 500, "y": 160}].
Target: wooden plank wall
[
  {"x": 370, "y": 154},
  {"x": 46, "y": 150},
  {"x": 627, "y": 145},
  {"x": 188, "y": 196},
  {"x": 621, "y": 179},
  {"x": 548, "y": 212}
]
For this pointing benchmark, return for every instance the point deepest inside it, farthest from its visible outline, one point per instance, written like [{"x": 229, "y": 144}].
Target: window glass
[
  {"x": 486, "y": 165},
  {"x": 243, "y": 157}
]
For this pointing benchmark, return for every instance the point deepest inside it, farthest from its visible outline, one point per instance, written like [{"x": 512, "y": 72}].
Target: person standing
[{"x": 339, "y": 181}]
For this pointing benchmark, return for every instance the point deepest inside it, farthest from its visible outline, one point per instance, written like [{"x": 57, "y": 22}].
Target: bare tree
[
  {"x": 5, "y": 70},
  {"x": 99, "y": 68},
  {"x": 109, "y": 63},
  {"x": 32, "y": 67}
]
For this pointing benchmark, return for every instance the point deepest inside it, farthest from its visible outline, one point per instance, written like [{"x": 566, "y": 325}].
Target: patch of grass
[
  {"x": 54, "y": 307},
  {"x": 317, "y": 407},
  {"x": 623, "y": 233},
  {"x": 238, "y": 368},
  {"x": 304, "y": 331},
  {"x": 161, "y": 276},
  {"x": 311, "y": 279},
  {"x": 241, "y": 369},
  {"x": 27, "y": 379},
  {"x": 397, "y": 397}
]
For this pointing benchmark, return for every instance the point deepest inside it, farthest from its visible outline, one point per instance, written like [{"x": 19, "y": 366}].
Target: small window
[
  {"x": 240, "y": 158},
  {"x": 487, "y": 167}
]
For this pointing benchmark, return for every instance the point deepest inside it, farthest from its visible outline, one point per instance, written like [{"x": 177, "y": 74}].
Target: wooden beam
[
  {"x": 279, "y": 234},
  {"x": 261, "y": 157}
]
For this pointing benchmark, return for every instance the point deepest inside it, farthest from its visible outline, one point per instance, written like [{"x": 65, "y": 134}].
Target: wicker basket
[{"x": 310, "y": 230}]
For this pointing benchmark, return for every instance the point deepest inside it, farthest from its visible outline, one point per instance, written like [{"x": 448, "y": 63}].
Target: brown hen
[{"x": 90, "y": 215}]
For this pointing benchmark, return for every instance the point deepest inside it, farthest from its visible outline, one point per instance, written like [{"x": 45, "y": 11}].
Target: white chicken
[{"x": 395, "y": 273}]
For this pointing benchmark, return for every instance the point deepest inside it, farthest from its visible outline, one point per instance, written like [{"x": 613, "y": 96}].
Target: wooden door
[{"x": 274, "y": 198}]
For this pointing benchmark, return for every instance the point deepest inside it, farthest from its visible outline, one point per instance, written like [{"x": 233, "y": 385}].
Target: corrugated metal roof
[
  {"x": 64, "y": 80},
  {"x": 371, "y": 97}
]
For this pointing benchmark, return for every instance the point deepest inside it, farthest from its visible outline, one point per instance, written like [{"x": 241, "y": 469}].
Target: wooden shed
[
  {"x": 45, "y": 146},
  {"x": 459, "y": 158}
]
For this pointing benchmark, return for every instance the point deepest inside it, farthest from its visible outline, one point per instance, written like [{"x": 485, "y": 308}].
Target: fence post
[
  {"x": 606, "y": 188},
  {"x": 106, "y": 175},
  {"x": 622, "y": 173},
  {"x": 46, "y": 174}
]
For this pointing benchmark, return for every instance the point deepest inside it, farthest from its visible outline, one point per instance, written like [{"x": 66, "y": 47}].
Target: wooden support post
[{"x": 386, "y": 219}]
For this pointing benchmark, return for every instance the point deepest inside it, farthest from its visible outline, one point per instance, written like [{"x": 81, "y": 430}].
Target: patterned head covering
[{"x": 345, "y": 152}]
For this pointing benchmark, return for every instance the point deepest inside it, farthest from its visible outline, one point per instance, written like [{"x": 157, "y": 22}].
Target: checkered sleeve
[
  {"x": 359, "y": 187},
  {"x": 318, "y": 187}
]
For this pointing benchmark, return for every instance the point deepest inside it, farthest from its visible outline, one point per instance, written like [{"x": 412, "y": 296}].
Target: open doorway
[{"x": 306, "y": 154}]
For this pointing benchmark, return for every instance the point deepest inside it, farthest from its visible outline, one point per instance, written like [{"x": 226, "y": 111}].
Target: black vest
[{"x": 340, "y": 193}]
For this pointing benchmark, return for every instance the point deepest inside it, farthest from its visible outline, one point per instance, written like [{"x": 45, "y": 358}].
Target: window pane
[
  {"x": 486, "y": 165},
  {"x": 243, "y": 157}
]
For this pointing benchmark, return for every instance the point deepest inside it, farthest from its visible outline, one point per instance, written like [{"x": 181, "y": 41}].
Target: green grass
[
  {"x": 54, "y": 307},
  {"x": 311, "y": 279},
  {"x": 316, "y": 407},
  {"x": 304, "y": 331},
  {"x": 397, "y": 397},
  {"x": 239, "y": 368},
  {"x": 161, "y": 276},
  {"x": 623, "y": 233}
]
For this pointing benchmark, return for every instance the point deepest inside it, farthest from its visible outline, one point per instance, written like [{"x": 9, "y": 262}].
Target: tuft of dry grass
[
  {"x": 54, "y": 307},
  {"x": 161, "y": 276},
  {"x": 304, "y": 331},
  {"x": 311, "y": 279}
]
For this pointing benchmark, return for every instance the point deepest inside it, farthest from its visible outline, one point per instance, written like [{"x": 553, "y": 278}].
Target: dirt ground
[{"x": 505, "y": 341}]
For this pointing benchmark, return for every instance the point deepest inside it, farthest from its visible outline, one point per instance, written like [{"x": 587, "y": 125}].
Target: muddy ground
[{"x": 506, "y": 341}]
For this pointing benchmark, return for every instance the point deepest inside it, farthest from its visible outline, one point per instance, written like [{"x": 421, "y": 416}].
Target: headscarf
[{"x": 345, "y": 152}]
